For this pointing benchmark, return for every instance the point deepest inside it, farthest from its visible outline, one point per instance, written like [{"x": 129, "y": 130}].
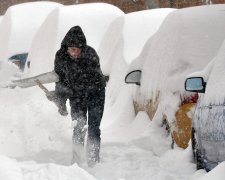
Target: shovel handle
[{"x": 42, "y": 86}]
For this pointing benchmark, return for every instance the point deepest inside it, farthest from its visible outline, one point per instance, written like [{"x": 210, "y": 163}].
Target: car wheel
[{"x": 196, "y": 151}]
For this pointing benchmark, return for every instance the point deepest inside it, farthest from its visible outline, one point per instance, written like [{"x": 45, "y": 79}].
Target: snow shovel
[{"x": 44, "y": 78}]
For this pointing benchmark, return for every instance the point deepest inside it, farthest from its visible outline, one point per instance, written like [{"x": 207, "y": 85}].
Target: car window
[{"x": 19, "y": 60}]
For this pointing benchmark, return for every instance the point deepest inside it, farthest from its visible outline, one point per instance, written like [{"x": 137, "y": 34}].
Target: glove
[{"x": 106, "y": 78}]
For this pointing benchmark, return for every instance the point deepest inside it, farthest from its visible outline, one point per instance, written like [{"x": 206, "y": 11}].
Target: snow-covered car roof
[
  {"x": 19, "y": 26},
  {"x": 94, "y": 19},
  {"x": 127, "y": 35},
  {"x": 186, "y": 41},
  {"x": 213, "y": 75}
]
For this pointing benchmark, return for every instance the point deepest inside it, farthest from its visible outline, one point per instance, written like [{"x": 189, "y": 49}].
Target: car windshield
[{"x": 19, "y": 59}]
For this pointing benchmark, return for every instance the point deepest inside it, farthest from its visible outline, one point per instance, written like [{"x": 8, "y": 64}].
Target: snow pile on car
[
  {"x": 124, "y": 41},
  {"x": 19, "y": 25},
  {"x": 215, "y": 93},
  {"x": 127, "y": 35},
  {"x": 187, "y": 40}
]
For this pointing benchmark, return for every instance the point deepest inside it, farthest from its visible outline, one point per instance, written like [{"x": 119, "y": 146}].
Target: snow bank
[
  {"x": 11, "y": 169},
  {"x": 94, "y": 19},
  {"x": 19, "y": 25},
  {"x": 7, "y": 72},
  {"x": 187, "y": 40},
  {"x": 28, "y": 131},
  {"x": 217, "y": 173}
]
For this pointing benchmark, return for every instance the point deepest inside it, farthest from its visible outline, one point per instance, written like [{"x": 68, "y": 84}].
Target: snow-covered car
[
  {"x": 208, "y": 127},
  {"x": 121, "y": 44},
  {"x": 18, "y": 27},
  {"x": 93, "y": 18},
  {"x": 127, "y": 35},
  {"x": 186, "y": 41}
]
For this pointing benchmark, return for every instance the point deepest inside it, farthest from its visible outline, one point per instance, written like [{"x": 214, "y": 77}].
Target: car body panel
[{"x": 209, "y": 125}]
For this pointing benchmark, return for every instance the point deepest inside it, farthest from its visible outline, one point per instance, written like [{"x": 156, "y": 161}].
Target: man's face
[{"x": 74, "y": 52}]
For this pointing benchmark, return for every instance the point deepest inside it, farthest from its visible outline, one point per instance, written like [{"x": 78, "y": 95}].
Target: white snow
[
  {"x": 127, "y": 35},
  {"x": 184, "y": 43},
  {"x": 215, "y": 83},
  {"x": 212, "y": 75},
  {"x": 19, "y": 25},
  {"x": 123, "y": 41},
  {"x": 7, "y": 72},
  {"x": 40, "y": 139},
  {"x": 94, "y": 19},
  {"x": 36, "y": 141}
]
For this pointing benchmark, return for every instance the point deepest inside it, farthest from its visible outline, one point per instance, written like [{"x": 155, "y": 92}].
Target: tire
[{"x": 196, "y": 151}]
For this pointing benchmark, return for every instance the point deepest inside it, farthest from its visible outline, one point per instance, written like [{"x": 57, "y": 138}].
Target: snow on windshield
[
  {"x": 93, "y": 18},
  {"x": 19, "y": 25}
]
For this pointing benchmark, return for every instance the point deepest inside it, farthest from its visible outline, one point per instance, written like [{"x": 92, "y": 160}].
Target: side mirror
[
  {"x": 195, "y": 84},
  {"x": 134, "y": 77}
]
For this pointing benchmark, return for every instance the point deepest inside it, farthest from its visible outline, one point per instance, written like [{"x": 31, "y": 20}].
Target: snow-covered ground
[
  {"x": 36, "y": 144},
  {"x": 36, "y": 141}
]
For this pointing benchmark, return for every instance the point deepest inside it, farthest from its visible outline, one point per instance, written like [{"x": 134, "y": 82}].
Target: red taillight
[{"x": 189, "y": 99}]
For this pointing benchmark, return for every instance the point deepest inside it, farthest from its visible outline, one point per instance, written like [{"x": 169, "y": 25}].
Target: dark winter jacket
[{"x": 82, "y": 73}]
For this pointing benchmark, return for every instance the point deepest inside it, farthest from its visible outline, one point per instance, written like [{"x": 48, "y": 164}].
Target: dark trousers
[
  {"x": 85, "y": 103},
  {"x": 91, "y": 104}
]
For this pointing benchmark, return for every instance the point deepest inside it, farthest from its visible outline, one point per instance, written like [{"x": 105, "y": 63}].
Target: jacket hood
[{"x": 74, "y": 38}]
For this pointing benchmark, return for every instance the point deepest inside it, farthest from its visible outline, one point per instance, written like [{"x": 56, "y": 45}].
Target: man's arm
[{"x": 59, "y": 65}]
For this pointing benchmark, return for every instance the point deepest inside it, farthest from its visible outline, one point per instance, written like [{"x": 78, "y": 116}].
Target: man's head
[
  {"x": 74, "y": 38},
  {"x": 74, "y": 52}
]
